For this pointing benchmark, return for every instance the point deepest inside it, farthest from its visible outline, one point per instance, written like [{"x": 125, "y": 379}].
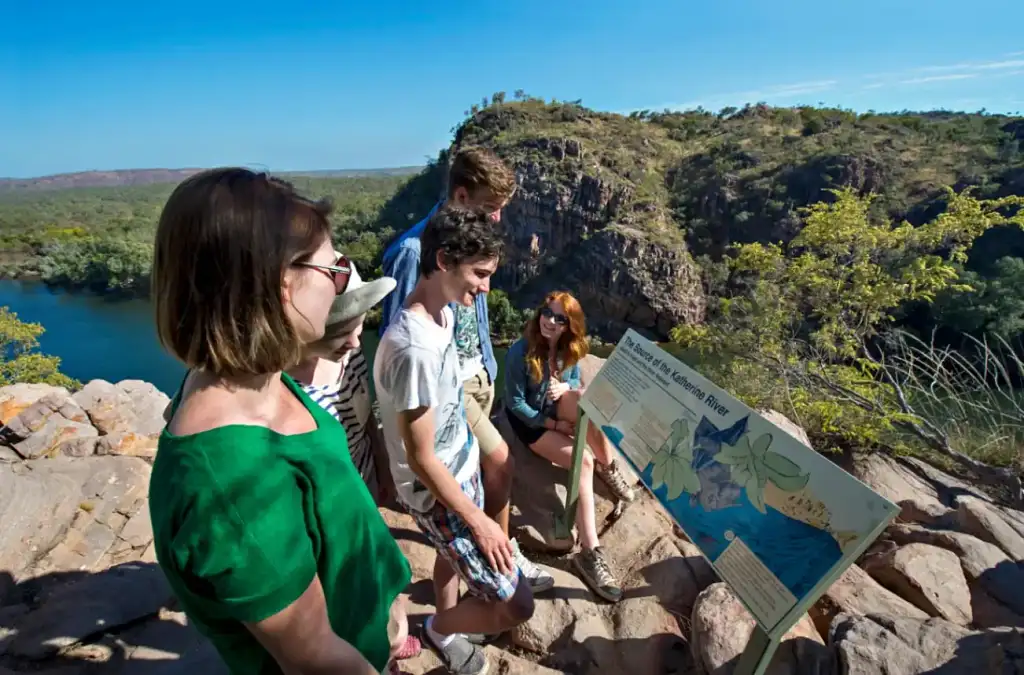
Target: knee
[
  {"x": 588, "y": 462},
  {"x": 499, "y": 465},
  {"x": 520, "y": 606},
  {"x": 398, "y": 627},
  {"x": 508, "y": 468}
]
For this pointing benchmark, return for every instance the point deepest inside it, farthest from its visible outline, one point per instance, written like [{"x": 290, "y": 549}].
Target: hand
[
  {"x": 493, "y": 543},
  {"x": 556, "y": 389},
  {"x": 566, "y": 427}
]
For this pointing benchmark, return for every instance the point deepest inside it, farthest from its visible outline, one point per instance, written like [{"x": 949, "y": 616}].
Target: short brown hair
[
  {"x": 477, "y": 169},
  {"x": 224, "y": 241},
  {"x": 459, "y": 234}
]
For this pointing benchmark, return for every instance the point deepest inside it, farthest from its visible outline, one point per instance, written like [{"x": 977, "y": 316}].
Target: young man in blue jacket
[{"x": 477, "y": 179}]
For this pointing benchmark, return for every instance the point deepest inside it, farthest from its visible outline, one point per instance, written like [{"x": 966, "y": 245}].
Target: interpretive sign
[{"x": 776, "y": 520}]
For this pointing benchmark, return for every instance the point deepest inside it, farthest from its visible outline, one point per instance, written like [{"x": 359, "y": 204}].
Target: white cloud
[
  {"x": 1008, "y": 73},
  {"x": 940, "y": 78},
  {"x": 802, "y": 88},
  {"x": 716, "y": 101},
  {"x": 1000, "y": 64},
  {"x": 1007, "y": 66},
  {"x": 932, "y": 69}
]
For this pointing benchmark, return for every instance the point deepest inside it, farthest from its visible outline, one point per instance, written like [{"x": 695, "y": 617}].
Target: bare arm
[
  {"x": 301, "y": 640},
  {"x": 417, "y": 428}
]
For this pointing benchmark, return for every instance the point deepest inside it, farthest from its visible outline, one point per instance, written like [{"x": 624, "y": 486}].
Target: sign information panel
[{"x": 776, "y": 520}]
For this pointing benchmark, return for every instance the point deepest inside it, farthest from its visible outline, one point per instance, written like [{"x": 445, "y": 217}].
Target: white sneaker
[{"x": 539, "y": 579}]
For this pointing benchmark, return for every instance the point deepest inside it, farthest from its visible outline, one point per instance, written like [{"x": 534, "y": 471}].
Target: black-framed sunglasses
[
  {"x": 340, "y": 272},
  {"x": 560, "y": 319}
]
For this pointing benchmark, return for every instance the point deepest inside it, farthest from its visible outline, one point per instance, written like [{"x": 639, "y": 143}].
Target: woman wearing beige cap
[{"x": 334, "y": 373}]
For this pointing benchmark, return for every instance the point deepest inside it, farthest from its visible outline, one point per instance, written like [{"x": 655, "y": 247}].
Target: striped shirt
[{"x": 348, "y": 401}]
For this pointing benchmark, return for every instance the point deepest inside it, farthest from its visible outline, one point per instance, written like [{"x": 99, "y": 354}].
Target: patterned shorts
[{"x": 453, "y": 540}]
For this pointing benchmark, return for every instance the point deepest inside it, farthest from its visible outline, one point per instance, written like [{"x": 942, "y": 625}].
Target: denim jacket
[
  {"x": 402, "y": 263},
  {"x": 525, "y": 398}
]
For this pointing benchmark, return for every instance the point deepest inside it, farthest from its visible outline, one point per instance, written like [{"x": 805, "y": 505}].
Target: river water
[{"x": 109, "y": 338}]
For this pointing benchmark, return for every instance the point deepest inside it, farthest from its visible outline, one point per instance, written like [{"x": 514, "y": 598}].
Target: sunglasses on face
[
  {"x": 560, "y": 319},
  {"x": 340, "y": 272}
]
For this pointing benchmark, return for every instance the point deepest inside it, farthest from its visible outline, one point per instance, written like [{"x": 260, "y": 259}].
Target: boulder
[
  {"x": 568, "y": 607},
  {"x": 32, "y": 418},
  {"x": 721, "y": 628},
  {"x": 109, "y": 408},
  {"x": 925, "y": 513},
  {"x": 985, "y": 565},
  {"x": 50, "y": 425},
  {"x": 574, "y": 631},
  {"x": 886, "y": 645},
  {"x": 946, "y": 486},
  {"x": 148, "y": 403},
  {"x": 928, "y": 576},
  {"x": 990, "y": 523},
  {"x": 855, "y": 592},
  {"x": 58, "y": 436},
  {"x": 14, "y": 398},
  {"x": 894, "y": 481}
]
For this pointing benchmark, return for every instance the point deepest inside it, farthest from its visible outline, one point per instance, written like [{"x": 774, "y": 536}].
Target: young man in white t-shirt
[{"x": 434, "y": 457}]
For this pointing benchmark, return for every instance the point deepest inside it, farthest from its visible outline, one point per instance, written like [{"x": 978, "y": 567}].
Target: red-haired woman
[{"x": 542, "y": 389}]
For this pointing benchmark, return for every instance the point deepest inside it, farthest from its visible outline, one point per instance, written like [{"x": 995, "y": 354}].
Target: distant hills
[{"x": 123, "y": 177}]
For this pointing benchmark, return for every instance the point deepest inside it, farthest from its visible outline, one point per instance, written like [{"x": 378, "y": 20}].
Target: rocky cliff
[
  {"x": 620, "y": 209},
  {"x": 942, "y": 590},
  {"x": 582, "y": 222}
]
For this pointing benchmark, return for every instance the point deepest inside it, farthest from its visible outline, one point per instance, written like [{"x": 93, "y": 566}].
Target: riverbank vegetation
[
  {"x": 100, "y": 239},
  {"x": 19, "y": 359}
]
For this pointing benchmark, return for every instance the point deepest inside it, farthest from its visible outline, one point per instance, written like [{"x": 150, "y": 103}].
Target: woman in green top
[{"x": 266, "y": 532}]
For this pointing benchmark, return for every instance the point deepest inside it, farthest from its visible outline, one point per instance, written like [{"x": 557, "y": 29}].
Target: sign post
[{"x": 777, "y": 521}]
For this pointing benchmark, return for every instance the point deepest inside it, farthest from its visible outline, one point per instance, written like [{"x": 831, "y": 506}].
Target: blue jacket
[
  {"x": 525, "y": 398},
  {"x": 402, "y": 263}
]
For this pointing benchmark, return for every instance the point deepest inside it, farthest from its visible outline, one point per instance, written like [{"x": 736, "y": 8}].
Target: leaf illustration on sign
[
  {"x": 673, "y": 463},
  {"x": 753, "y": 465}
]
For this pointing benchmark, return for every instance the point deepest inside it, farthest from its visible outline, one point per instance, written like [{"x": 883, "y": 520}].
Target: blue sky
[{"x": 318, "y": 85}]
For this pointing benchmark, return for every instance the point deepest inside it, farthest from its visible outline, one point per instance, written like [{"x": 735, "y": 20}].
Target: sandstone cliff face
[{"x": 571, "y": 228}]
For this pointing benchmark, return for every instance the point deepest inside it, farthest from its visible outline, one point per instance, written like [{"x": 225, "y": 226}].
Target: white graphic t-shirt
[{"x": 416, "y": 366}]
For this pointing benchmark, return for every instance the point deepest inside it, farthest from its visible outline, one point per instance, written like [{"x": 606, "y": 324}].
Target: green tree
[
  {"x": 990, "y": 306},
  {"x": 804, "y": 332},
  {"x": 506, "y": 321},
  {"x": 21, "y": 363}
]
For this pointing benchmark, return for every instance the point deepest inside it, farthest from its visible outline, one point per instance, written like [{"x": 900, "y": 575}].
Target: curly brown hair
[{"x": 458, "y": 234}]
